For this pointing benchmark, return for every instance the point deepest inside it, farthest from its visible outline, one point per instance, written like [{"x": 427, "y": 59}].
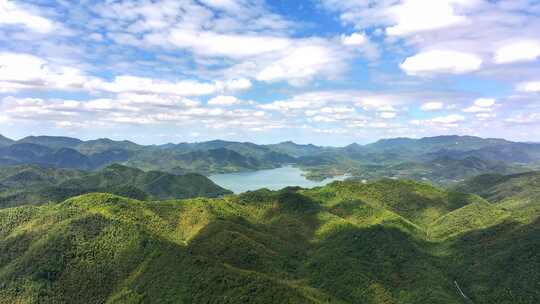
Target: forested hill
[
  {"x": 383, "y": 242},
  {"x": 31, "y": 184}
]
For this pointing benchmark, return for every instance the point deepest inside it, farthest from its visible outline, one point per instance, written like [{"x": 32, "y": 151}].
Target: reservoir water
[{"x": 273, "y": 179}]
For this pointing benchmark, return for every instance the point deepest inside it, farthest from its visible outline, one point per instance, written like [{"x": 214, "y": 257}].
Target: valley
[{"x": 395, "y": 229}]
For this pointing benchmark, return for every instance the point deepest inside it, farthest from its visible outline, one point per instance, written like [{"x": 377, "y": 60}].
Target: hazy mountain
[
  {"x": 296, "y": 150},
  {"x": 52, "y": 141},
  {"x": 103, "y": 145},
  {"x": 431, "y": 144},
  {"x": 4, "y": 141}
]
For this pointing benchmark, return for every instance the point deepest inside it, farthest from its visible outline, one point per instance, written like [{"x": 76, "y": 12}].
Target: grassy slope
[{"x": 385, "y": 242}]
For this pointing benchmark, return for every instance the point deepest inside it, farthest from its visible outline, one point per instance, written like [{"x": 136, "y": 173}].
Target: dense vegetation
[
  {"x": 349, "y": 242},
  {"x": 442, "y": 160},
  {"x": 30, "y": 184}
]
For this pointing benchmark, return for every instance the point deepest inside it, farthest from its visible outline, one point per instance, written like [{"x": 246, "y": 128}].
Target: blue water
[{"x": 273, "y": 179}]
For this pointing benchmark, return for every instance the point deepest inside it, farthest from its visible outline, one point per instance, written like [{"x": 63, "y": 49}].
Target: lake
[{"x": 273, "y": 179}]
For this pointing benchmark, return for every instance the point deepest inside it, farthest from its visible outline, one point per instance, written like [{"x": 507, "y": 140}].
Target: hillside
[
  {"x": 498, "y": 187},
  {"x": 347, "y": 242},
  {"x": 37, "y": 185}
]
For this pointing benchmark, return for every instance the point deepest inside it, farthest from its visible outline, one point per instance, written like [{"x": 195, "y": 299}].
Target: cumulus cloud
[
  {"x": 481, "y": 105},
  {"x": 531, "y": 86},
  {"x": 223, "y": 101},
  {"x": 126, "y": 83},
  {"x": 24, "y": 71},
  {"x": 245, "y": 38},
  {"x": 355, "y": 39},
  {"x": 432, "y": 106},
  {"x": 524, "y": 50},
  {"x": 412, "y": 16},
  {"x": 13, "y": 14},
  {"x": 449, "y": 119},
  {"x": 441, "y": 61},
  {"x": 388, "y": 115}
]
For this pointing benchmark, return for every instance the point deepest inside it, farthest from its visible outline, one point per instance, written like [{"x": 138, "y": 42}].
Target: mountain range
[{"x": 435, "y": 159}]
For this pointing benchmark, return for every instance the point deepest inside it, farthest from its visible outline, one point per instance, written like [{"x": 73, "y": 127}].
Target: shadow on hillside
[
  {"x": 499, "y": 264},
  {"x": 232, "y": 260}
]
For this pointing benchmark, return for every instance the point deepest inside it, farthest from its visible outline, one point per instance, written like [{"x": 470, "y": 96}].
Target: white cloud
[
  {"x": 11, "y": 13},
  {"x": 441, "y": 61},
  {"x": 484, "y": 102},
  {"x": 530, "y": 87},
  {"x": 524, "y": 50},
  {"x": 432, "y": 106},
  {"x": 388, "y": 115},
  {"x": 133, "y": 84},
  {"x": 412, "y": 16},
  {"x": 355, "y": 39},
  {"x": 481, "y": 105},
  {"x": 238, "y": 84},
  {"x": 449, "y": 119},
  {"x": 23, "y": 71},
  {"x": 229, "y": 45},
  {"x": 524, "y": 119},
  {"x": 301, "y": 64},
  {"x": 223, "y": 101},
  {"x": 485, "y": 116}
]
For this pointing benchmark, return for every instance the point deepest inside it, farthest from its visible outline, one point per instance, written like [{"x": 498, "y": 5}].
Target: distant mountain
[
  {"x": 348, "y": 242},
  {"x": 296, "y": 150},
  {"x": 441, "y": 160},
  {"x": 52, "y": 141},
  {"x": 34, "y": 184},
  {"x": 4, "y": 141},
  {"x": 514, "y": 153},
  {"x": 103, "y": 145},
  {"x": 431, "y": 144}
]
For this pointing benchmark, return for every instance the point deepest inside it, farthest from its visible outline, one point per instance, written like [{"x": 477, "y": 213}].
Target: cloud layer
[{"x": 254, "y": 70}]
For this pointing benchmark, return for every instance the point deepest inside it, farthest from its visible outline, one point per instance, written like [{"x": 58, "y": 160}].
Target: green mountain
[
  {"x": 38, "y": 185},
  {"x": 349, "y": 242},
  {"x": 296, "y": 150},
  {"x": 499, "y": 188},
  {"x": 441, "y": 160},
  {"x": 102, "y": 145}
]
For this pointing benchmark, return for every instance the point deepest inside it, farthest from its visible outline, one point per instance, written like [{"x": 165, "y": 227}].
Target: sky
[{"x": 328, "y": 72}]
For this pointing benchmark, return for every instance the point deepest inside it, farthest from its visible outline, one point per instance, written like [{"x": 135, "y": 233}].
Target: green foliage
[
  {"x": 33, "y": 184},
  {"x": 389, "y": 241}
]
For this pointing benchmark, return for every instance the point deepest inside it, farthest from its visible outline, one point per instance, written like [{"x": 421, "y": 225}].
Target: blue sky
[{"x": 329, "y": 72}]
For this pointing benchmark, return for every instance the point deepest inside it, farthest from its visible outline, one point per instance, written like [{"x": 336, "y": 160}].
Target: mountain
[
  {"x": 442, "y": 160},
  {"x": 4, "y": 141},
  {"x": 103, "y": 145},
  {"x": 37, "y": 185},
  {"x": 430, "y": 144},
  {"x": 52, "y": 141},
  {"x": 348, "y": 242},
  {"x": 296, "y": 150},
  {"x": 499, "y": 188}
]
